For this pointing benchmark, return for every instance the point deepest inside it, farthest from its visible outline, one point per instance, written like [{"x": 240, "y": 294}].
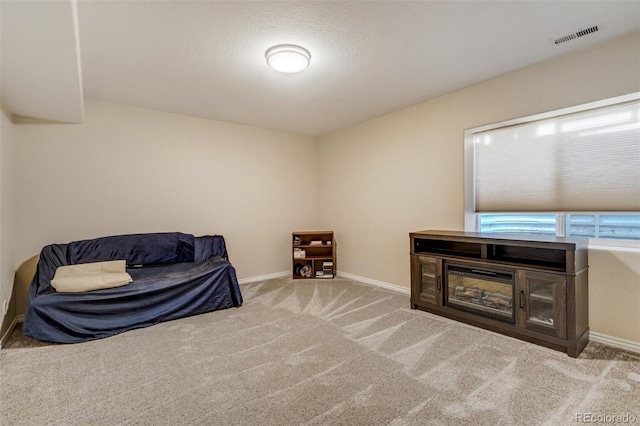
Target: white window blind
[{"x": 578, "y": 162}]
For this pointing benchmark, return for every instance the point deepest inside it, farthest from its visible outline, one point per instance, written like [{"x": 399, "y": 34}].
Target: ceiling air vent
[
  {"x": 565, "y": 38},
  {"x": 579, "y": 33},
  {"x": 587, "y": 31}
]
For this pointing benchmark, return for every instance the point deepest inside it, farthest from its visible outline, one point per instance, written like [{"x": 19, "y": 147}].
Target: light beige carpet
[{"x": 325, "y": 352}]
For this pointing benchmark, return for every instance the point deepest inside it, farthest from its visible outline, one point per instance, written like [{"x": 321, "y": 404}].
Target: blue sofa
[{"x": 174, "y": 275}]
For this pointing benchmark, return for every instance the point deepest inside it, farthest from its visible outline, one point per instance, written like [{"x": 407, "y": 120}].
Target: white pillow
[{"x": 90, "y": 276}]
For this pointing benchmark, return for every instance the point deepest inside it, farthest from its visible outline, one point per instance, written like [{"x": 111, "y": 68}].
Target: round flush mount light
[{"x": 288, "y": 58}]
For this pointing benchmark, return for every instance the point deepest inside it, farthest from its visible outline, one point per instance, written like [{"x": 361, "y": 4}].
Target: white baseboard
[
  {"x": 346, "y": 275},
  {"x": 615, "y": 342},
  {"x": 388, "y": 286},
  {"x": 264, "y": 277},
  {"x": 6, "y": 335}
]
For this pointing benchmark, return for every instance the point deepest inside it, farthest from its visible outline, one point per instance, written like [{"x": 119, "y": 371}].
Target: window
[
  {"x": 613, "y": 226},
  {"x": 592, "y": 225},
  {"x": 571, "y": 172},
  {"x": 541, "y": 224}
]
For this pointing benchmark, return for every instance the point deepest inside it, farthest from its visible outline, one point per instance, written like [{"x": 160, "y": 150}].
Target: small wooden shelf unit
[
  {"x": 534, "y": 288},
  {"x": 313, "y": 255}
]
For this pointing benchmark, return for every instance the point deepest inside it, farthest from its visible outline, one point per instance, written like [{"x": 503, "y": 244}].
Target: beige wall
[
  {"x": 614, "y": 292},
  {"x": 131, "y": 170},
  {"x": 7, "y": 142},
  {"x": 403, "y": 172}
]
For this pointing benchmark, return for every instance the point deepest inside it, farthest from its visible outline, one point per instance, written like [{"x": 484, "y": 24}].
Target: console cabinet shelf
[
  {"x": 313, "y": 255},
  {"x": 534, "y": 288}
]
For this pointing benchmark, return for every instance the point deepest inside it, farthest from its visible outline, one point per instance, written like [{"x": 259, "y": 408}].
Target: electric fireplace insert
[{"x": 481, "y": 291}]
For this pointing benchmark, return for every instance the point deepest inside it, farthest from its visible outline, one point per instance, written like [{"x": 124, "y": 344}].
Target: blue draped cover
[
  {"x": 137, "y": 249},
  {"x": 158, "y": 293}
]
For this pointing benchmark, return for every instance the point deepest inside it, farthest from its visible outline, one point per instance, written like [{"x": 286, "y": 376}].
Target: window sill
[{"x": 614, "y": 245}]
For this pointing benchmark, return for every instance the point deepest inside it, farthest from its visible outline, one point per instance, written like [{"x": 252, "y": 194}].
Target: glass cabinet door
[
  {"x": 542, "y": 300},
  {"x": 427, "y": 280}
]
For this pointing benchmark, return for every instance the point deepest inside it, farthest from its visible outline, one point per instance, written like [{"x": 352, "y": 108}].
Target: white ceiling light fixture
[{"x": 288, "y": 58}]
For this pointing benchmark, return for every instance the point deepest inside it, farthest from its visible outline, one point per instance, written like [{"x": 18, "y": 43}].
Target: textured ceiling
[{"x": 206, "y": 58}]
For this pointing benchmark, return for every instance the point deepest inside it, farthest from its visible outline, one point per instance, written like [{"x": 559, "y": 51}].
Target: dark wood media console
[{"x": 534, "y": 288}]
